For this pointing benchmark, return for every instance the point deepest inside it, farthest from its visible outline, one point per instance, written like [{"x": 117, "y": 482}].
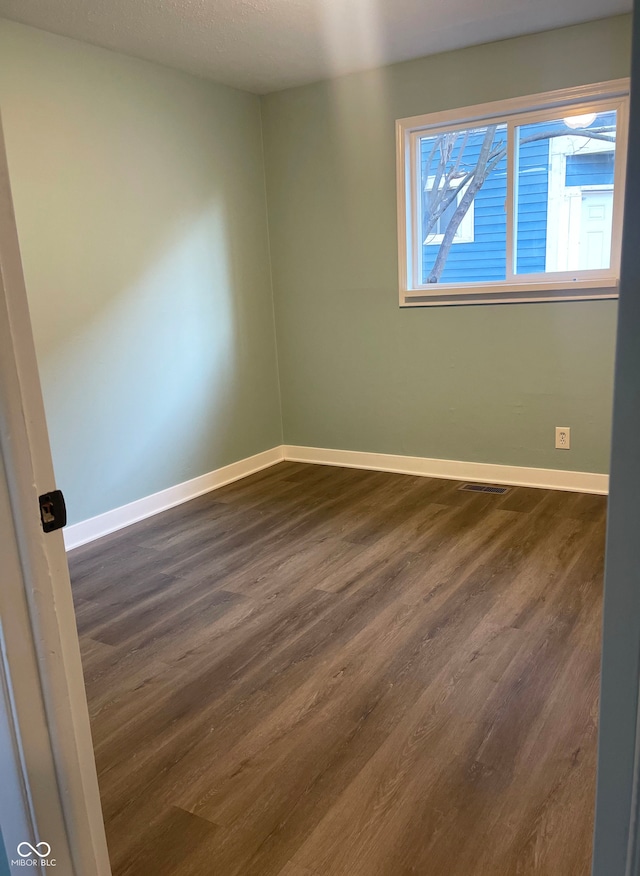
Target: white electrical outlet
[{"x": 563, "y": 438}]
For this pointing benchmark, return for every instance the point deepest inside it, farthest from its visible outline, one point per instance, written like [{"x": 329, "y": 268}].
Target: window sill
[{"x": 511, "y": 293}]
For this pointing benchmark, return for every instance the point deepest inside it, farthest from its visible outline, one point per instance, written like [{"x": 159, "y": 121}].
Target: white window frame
[{"x": 550, "y": 286}]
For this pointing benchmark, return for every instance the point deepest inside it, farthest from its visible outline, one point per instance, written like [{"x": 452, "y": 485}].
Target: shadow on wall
[
  {"x": 148, "y": 382},
  {"x": 141, "y": 212}
]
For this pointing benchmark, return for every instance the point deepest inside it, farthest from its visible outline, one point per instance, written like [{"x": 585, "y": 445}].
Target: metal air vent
[{"x": 484, "y": 488}]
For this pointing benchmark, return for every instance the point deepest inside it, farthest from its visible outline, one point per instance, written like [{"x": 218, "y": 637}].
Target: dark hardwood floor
[{"x": 327, "y": 672}]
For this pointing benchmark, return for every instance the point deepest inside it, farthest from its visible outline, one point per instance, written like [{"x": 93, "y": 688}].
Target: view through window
[{"x": 532, "y": 199}]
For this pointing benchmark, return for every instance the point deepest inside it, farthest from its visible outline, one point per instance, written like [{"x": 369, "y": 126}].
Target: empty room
[{"x": 311, "y": 318}]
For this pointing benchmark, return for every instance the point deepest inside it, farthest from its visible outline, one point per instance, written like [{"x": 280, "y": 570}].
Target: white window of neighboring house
[
  {"x": 534, "y": 186},
  {"x": 464, "y": 231}
]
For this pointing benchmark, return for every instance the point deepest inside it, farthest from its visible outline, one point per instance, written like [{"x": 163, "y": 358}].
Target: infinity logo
[{"x": 34, "y": 850}]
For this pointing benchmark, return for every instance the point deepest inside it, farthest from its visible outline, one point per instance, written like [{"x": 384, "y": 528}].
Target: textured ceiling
[{"x": 265, "y": 45}]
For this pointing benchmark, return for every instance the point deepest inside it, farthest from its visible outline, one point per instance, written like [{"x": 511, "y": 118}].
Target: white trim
[
  {"x": 510, "y": 207},
  {"x": 511, "y": 106},
  {"x": 597, "y": 284},
  {"x": 517, "y": 293},
  {"x": 481, "y": 472},
  {"x": 514, "y": 475},
  {"x": 95, "y": 527}
]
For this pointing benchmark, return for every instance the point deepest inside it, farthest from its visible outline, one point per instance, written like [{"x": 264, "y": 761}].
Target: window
[{"x": 514, "y": 201}]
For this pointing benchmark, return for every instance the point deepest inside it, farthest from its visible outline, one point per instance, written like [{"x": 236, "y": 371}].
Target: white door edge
[{"x": 50, "y": 617}]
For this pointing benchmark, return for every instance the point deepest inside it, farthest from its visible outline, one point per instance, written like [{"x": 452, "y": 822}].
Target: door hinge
[{"x": 53, "y": 511}]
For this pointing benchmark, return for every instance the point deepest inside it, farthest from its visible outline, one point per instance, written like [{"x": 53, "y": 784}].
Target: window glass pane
[
  {"x": 564, "y": 193},
  {"x": 463, "y": 188}
]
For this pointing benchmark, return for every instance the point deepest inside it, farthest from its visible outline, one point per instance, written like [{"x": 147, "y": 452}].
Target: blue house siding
[
  {"x": 484, "y": 259},
  {"x": 590, "y": 170},
  {"x": 532, "y": 198}
]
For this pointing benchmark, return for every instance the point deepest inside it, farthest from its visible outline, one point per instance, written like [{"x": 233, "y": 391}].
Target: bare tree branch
[{"x": 465, "y": 202}]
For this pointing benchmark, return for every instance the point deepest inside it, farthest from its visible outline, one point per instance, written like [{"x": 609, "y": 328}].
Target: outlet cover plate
[{"x": 563, "y": 437}]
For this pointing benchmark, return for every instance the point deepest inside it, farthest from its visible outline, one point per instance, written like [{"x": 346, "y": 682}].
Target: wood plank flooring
[{"x": 328, "y": 672}]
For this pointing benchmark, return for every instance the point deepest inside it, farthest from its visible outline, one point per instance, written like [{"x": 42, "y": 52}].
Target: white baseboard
[
  {"x": 513, "y": 475},
  {"x": 110, "y": 521}
]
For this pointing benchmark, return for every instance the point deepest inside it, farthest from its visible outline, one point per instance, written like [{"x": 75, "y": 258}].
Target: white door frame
[{"x": 41, "y": 655}]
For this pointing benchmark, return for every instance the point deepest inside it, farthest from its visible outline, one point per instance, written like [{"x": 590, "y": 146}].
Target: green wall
[
  {"x": 483, "y": 383},
  {"x": 140, "y": 203}
]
